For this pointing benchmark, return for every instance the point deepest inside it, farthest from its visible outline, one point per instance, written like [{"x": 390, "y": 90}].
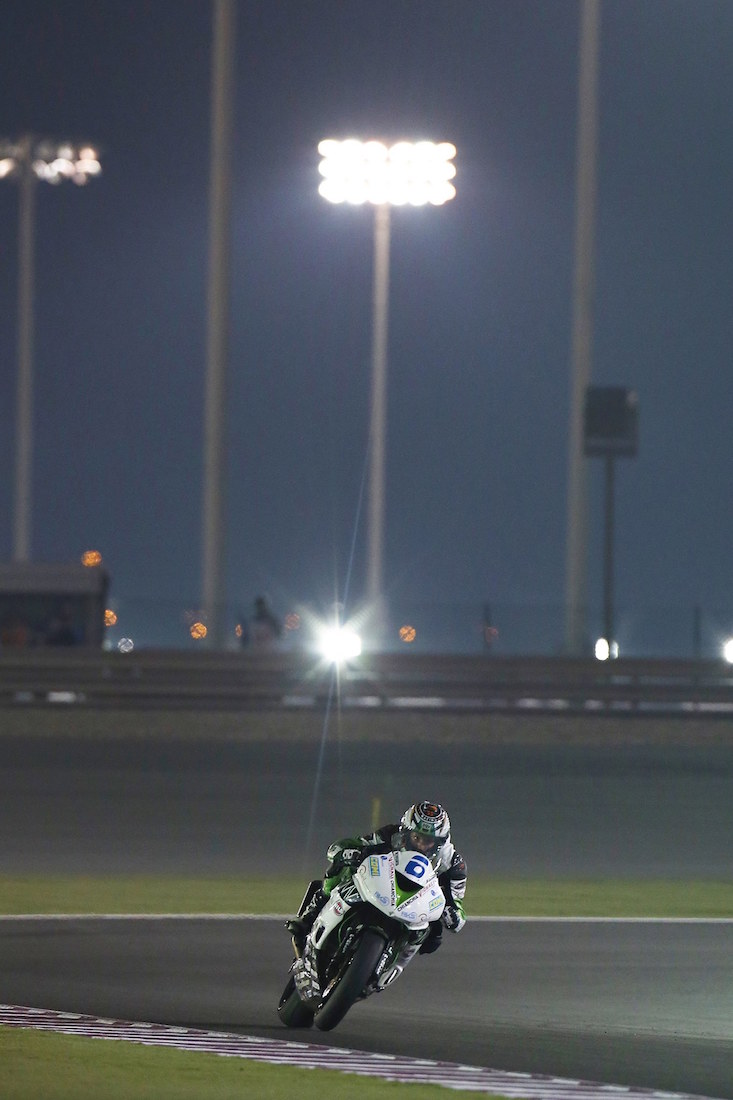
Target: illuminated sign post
[{"x": 611, "y": 431}]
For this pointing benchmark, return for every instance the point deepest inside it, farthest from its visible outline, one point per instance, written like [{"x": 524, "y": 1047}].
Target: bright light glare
[
  {"x": 52, "y": 162},
  {"x": 604, "y": 651},
  {"x": 407, "y": 173},
  {"x": 339, "y": 643},
  {"x": 728, "y": 650}
]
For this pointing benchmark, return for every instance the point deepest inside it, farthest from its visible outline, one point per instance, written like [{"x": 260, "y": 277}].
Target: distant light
[
  {"x": 51, "y": 161},
  {"x": 198, "y": 630},
  {"x": 407, "y": 173},
  {"x": 110, "y": 617},
  {"x": 603, "y": 651},
  {"x": 90, "y": 558},
  {"x": 339, "y": 643},
  {"x": 239, "y": 630},
  {"x": 408, "y": 633},
  {"x": 728, "y": 650},
  {"x": 125, "y": 645},
  {"x": 292, "y": 621}
]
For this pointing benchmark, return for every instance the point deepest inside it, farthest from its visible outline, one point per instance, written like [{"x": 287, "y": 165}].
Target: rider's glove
[{"x": 453, "y": 918}]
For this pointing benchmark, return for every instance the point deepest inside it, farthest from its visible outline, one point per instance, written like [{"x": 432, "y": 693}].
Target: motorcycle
[{"x": 372, "y": 924}]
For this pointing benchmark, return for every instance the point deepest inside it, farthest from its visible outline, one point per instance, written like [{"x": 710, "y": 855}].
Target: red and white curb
[{"x": 452, "y": 1075}]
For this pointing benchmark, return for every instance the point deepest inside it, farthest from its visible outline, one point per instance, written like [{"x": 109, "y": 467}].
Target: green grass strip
[
  {"x": 602, "y": 898},
  {"x": 37, "y": 1064},
  {"x": 486, "y": 896}
]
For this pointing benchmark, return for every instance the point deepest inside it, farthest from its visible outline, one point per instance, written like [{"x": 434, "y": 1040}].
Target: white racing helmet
[{"x": 425, "y": 828}]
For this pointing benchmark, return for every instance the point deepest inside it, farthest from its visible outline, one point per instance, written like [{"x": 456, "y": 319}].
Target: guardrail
[{"x": 248, "y": 681}]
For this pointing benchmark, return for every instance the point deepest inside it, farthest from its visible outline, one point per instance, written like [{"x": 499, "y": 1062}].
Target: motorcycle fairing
[{"x": 403, "y": 885}]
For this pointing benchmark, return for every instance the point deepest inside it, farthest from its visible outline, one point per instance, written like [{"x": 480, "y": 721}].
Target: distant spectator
[
  {"x": 490, "y": 633},
  {"x": 266, "y": 627}
]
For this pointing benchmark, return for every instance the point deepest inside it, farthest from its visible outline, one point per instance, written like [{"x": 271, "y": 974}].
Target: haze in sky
[{"x": 480, "y": 305}]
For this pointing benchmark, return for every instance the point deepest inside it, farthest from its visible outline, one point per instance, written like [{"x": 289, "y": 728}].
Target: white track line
[
  {"x": 285, "y": 916},
  {"x": 451, "y": 1075}
]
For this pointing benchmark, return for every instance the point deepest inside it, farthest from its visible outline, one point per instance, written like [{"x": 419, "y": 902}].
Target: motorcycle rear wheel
[
  {"x": 291, "y": 1009},
  {"x": 352, "y": 981}
]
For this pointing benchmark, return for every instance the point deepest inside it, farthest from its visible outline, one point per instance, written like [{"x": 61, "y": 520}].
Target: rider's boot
[{"x": 300, "y": 926}]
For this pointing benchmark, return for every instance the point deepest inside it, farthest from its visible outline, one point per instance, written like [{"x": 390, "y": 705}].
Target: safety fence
[{"x": 249, "y": 681}]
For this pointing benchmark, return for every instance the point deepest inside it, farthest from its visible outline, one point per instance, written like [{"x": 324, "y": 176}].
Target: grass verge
[
  {"x": 37, "y": 1064},
  {"x": 486, "y": 896}
]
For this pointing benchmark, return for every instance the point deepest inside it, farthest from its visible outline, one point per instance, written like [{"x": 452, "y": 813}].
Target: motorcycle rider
[{"x": 424, "y": 827}]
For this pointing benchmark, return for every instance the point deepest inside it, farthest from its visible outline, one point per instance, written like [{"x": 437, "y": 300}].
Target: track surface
[
  {"x": 633, "y": 1004},
  {"x": 644, "y": 1005}
]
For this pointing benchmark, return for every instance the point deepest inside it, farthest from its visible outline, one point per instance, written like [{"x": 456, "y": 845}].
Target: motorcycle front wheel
[
  {"x": 291, "y": 1009},
  {"x": 352, "y": 981}
]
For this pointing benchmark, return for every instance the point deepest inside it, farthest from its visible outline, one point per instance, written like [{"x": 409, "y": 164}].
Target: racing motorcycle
[{"x": 371, "y": 925}]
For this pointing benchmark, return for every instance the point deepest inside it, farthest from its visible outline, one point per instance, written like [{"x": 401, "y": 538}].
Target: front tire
[
  {"x": 291, "y": 1009},
  {"x": 350, "y": 985}
]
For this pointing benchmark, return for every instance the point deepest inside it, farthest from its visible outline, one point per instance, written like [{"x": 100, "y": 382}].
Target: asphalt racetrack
[
  {"x": 627, "y": 1003},
  {"x": 644, "y": 1005}
]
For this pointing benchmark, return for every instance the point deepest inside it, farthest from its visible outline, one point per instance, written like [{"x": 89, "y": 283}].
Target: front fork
[{"x": 392, "y": 963}]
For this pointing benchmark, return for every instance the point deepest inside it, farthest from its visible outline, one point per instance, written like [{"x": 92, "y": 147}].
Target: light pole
[
  {"x": 217, "y": 330},
  {"x": 28, "y": 160},
  {"x": 403, "y": 174},
  {"x": 576, "y": 554}
]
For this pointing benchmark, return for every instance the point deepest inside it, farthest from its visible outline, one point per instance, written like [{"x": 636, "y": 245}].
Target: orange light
[
  {"x": 408, "y": 633},
  {"x": 198, "y": 630},
  {"x": 91, "y": 558},
  {"x": 238, "y": 630},
  {"x": 110, "y": 617}
]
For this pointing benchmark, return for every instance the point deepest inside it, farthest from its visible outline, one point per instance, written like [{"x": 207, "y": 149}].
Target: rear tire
[
  {"x": 291, "y": 1009},
  {"x": 351, "y": 984}
]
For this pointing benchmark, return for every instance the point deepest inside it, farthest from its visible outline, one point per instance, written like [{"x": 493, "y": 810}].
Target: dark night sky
[{"x": 480, "y": 300}]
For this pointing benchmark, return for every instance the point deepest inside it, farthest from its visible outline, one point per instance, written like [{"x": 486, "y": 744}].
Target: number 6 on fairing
[{"x": 417, "y": 866}]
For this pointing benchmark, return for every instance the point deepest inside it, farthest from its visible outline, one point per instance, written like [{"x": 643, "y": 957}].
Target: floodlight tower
[
  {"x": 576, "y": 552},
  {"x": 404, "y": 174},
  {"x": 29, "y": 160},
  {"x": 217, "y": 330}
]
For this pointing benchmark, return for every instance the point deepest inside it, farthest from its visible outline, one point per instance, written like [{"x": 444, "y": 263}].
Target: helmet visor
[{"x": 413, "y": 840}]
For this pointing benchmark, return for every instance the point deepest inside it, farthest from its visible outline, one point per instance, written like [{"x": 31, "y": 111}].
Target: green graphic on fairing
[
  {"x": 344, "y": 875},
  {"x": 405, "y": 895}
]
